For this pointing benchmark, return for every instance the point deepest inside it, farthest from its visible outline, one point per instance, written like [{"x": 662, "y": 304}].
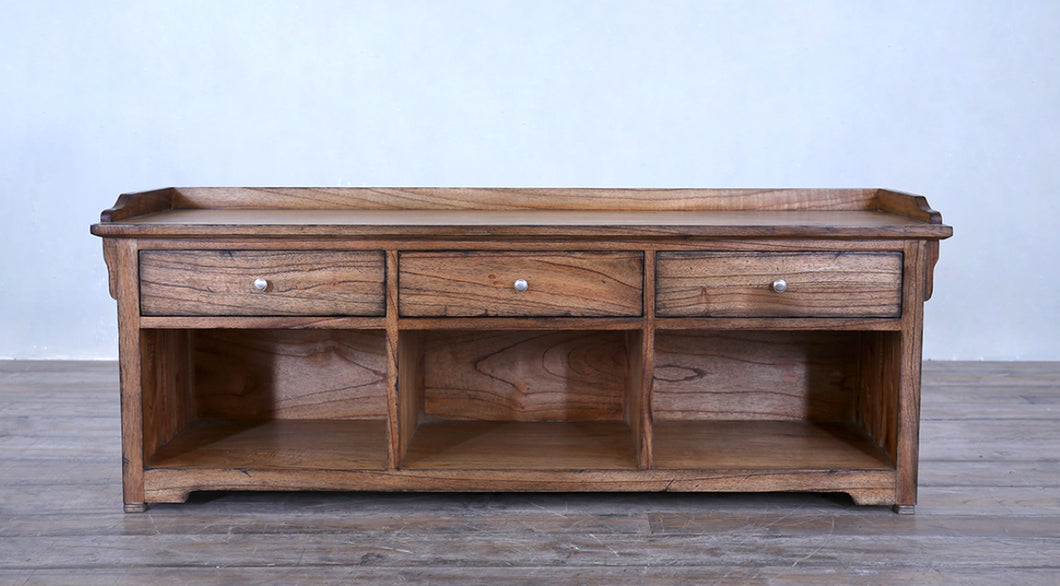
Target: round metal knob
[
  {"x": 260, "y": 284},
  {"x": 521, "y": 285},
  {"x": 780, "y": 285}
]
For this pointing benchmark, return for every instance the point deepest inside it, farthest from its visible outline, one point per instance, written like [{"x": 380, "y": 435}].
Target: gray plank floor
[{"x": 989, "y": 509}]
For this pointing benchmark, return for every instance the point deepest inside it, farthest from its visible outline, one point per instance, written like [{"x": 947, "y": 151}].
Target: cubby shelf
[
  {"x": 766, "y": 445},
  {"x": 522, "y": 445},
  {"x": 276, "y": 444}
]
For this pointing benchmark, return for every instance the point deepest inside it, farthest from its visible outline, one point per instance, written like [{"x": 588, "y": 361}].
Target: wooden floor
[{"x": 989, "y": 509}]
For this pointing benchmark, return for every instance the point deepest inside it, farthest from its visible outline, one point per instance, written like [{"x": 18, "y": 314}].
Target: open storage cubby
[
  {"x": 774, "y": 400},
  {"x": 517, "y": 400},
  {"x": 264, "y": 399},
  {"x": 599, "y": 340}
]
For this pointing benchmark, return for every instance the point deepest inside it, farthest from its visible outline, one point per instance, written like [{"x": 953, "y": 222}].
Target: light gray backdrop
[{"x": 956, "y": 100}]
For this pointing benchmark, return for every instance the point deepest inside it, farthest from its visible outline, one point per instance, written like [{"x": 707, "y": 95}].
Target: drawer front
[
  {"x": 438, "y": 284},
  {"x": 808, "y": 284},
  {"x": 222, "y": 282}
]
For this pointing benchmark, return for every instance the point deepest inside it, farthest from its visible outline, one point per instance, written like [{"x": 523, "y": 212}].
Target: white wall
[{"x": 955, "y": 100}]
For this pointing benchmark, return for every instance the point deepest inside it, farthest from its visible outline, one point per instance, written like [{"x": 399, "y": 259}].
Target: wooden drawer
[
  {"x": 435, "y": 284},
  {"x": 222, "y": 282},
  {"x": 740, "y": 284}
]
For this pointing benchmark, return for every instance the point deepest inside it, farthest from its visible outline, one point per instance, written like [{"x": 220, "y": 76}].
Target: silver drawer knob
[
  {"x": 780, "y": 285},
  {"x": 260, "y": 284},
  {"x": 521, "y": 285}
]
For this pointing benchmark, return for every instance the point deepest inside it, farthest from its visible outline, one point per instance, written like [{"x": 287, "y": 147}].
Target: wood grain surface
[
  {"x": 131, "y": 205},
  {"x": 770, "y": 445},
  {"x": 525, "y": 376},
  {"x": 639, "y": 356},
  {"x": 277, "y": 444},
  {"x": 437, "y": 199},
  {"x": 205, "y": 282},
  {"x": 908, "y": 372},
  {"x": 410, "y": 390},
  {"x": 289, "y": 374},
  {"x": 621, "y": 223},
  {"x": 875, "y": 398},
  {"x": 754, "y": 375},
  {"x": 737, "y": 284},
  {"x": 910, "y": 206},
  {"x": 168, "y": 399},
  {"x": 482, "y": 284},
  {"x": 132, "y": 354},
  {"x": 515, "y": 445}
]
